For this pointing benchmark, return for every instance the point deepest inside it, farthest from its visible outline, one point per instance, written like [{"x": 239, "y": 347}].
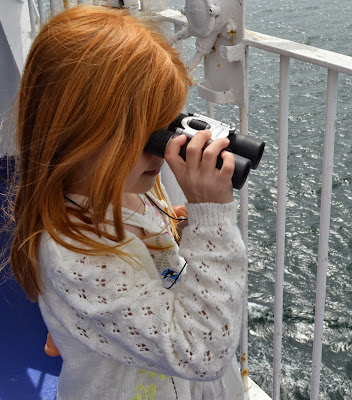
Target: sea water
[{"x": 326, "y": 24}]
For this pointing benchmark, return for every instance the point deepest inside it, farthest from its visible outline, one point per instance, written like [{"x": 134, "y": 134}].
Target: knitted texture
[{"x": 123, "y": 335}]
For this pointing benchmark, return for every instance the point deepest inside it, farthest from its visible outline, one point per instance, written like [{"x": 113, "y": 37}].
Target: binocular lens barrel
[
  {"x": 158, "y": 142},
  {"x": 247, "y": 147}
]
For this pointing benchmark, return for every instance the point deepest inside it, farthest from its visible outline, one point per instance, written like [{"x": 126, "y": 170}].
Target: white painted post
[
  {"x": 56, "y": 6},
  {"x": 244, "y": 327},
  {"x": 328, "y": 164},
  {"x": 244, "y": 232},
  {"x": 42, "y": 16},
  {"x": 210, "y": 109},
  {"x": 280, "y": 222},
  {"x": 33, "y": 17}
]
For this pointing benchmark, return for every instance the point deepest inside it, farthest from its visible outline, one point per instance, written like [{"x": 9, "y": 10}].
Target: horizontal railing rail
[{"x": 309, "y": 54}]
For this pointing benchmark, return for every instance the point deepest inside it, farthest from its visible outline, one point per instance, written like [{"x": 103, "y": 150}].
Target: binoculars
[{"x": 248, "y": 150}]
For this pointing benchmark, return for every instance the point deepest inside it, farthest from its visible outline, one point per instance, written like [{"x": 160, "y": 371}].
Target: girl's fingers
[
  {"x": 199, "y": 155},
  {"x": 173, "y": 158},
  {"x": 172, "y": 152},
  {"x": 228, "y": 166},
  {"x": 211, "y": 153},
  {"x": 194, "y": 152},
  {"x": 198, "y": 177}
]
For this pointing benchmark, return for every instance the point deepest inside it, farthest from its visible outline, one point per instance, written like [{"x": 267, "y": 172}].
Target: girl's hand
[
  {"x": 50, "y": 348},
  {"x": 180, "y": 212},
  {"x": 198, "y": 177}
]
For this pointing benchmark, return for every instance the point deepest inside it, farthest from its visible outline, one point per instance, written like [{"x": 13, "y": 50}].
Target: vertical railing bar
[
  {"x": 244, "y": 232},
  {"x": 56, "y": 6},
  {"x": 52, "y": 6},
  {"x": 244, "y": 327},
  {"x": 33, "y": 17},
  {"x": 210, "y": 109},
  {"x": 328, "y": 164},
  {"x": 280, "y": 221},
  {"x": 41, "y": 9}
]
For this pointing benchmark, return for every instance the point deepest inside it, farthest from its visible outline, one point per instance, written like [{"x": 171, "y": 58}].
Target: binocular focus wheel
[{"x": 198, "y": 125}]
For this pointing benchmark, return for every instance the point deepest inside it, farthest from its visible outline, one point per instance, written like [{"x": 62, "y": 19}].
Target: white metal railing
[{"x": 334, "y": 63}]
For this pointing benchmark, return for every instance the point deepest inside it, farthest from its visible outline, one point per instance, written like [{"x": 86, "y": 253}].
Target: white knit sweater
[{"x": 124, "y": 336}]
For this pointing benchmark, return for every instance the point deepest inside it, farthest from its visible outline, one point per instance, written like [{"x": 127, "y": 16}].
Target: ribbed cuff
[{"x": 212, "y": 213}]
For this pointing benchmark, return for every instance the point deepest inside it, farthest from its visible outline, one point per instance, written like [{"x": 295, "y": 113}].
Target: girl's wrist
[{"x": 212, "y": 213}]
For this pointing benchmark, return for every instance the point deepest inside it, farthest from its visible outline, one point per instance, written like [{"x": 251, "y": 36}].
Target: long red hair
[{"x": 94, "y": 76}]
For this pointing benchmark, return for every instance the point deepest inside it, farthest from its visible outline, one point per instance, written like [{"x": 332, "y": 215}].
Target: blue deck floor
[{"x": 26, "y": 372}]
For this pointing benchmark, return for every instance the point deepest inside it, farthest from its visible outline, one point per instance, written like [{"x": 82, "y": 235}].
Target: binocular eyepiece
[{"x": 248, "y": 150}]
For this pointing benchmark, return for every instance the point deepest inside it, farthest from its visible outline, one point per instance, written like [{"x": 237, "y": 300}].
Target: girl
[{"x": 92, "y": 244}]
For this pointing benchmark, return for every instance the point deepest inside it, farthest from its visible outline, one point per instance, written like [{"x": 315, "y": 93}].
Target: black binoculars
[{"x": 247, "y": 149}]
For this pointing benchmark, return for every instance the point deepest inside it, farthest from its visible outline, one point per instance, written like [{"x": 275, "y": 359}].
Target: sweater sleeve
[{"x": 119, "y": 311}]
